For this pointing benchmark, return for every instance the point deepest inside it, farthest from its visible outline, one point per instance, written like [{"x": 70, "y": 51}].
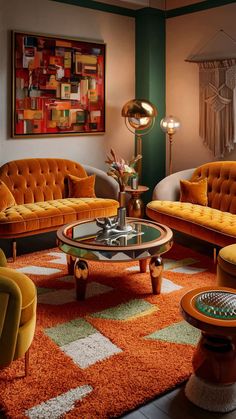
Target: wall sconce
[
  {"x": 139, "y": 117},
  {"x": 170, "y": 124}
]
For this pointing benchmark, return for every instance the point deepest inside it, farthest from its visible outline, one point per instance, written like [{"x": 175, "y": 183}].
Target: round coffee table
[{"x": 85, "y": 240}]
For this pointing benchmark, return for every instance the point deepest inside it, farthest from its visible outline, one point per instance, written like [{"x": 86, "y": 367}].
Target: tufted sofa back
[
  {"x": 37, "y": 180},
  {"x": 221, "y": 177}
]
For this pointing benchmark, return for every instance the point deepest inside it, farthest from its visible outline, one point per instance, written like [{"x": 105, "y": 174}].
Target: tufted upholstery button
[
  {"x": 35, "y": 183},
  {"x": 32, "y": 216},
  {"x": 212, "y": 218}
]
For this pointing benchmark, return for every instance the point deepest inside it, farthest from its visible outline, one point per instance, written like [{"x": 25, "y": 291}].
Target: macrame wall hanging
[{"x": 217, "y": 92}]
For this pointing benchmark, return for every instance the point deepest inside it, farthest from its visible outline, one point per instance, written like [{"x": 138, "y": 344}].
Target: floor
[{"x": 172, "y": 405}]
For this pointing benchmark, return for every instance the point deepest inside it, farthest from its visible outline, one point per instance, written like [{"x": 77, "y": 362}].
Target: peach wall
[
  {"x": 48, "y": 17},
  {"x": 174, "y": 4},
  {"x": 184, "y": 36}
]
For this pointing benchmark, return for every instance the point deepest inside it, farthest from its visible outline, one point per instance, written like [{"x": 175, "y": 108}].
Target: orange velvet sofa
[
  {"x": 40, "y": 190},
  {"x": 216, "y": 222}
]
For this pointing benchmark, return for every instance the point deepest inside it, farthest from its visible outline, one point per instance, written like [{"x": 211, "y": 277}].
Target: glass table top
[
  {"x": 217, "y": 304},
  {"x": 91, "y": 233},
  {"x": 86, "y": 239}
]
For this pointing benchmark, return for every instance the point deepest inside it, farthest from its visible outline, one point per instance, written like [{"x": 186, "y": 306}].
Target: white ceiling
[{"x": 159, "y": 4}]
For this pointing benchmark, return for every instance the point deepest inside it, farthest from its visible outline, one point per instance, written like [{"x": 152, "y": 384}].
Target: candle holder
[{"x": 121, "y": 218}]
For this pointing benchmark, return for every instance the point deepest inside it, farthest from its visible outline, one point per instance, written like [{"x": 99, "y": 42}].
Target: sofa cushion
[
  {"x": 221, "y": 178},
  {"x": 49, "y": 215},
  {"x": 211, "y": 218},
  {"x": 194, "y": 192},
  {"x": 6, "y": 197},
  {"x": 81, "y": 187}
]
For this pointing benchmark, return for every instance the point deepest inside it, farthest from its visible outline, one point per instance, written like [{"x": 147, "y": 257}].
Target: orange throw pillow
[
  {"x": 194, "y": 192},
  {"x": 81, "y": 187},
  {"x": 6, "y": 198}
]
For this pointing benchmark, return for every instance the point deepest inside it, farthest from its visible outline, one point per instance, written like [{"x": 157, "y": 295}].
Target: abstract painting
[{"x": 58, "y": 86}]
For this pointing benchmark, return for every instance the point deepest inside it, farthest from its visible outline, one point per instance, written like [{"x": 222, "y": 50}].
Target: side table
[
  {"x": 135, "y": 204},
  {"x": 212, "y": 386}
]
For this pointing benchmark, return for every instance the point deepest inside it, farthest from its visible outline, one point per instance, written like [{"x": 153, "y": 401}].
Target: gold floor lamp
[
  {"x": 170, "y": 124},
  {"x": 139, "y": 117}
]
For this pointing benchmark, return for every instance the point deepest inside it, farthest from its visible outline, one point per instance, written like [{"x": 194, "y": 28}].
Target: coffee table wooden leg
[
  {"x": 70, "y": 264},
  {"x": 143, "y": 265},
  {"x": 81, "y": 276},
  {"x": 156, "y": 268}
]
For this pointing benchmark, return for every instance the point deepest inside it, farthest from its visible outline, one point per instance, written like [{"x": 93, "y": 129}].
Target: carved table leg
[
  {"x": 81, "y": 276},
  {"x": 143, "y": 265},
  {"x": 156, "y": 268},
  {"x": 70, "y": 264}
]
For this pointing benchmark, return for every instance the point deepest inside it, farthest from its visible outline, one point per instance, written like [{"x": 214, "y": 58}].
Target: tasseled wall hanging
[{"x": 217, "y": 94}]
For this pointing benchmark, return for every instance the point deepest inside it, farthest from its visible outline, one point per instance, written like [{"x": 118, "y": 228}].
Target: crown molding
[
  {"x": 103, "y": 7},
  {"x": 197, "y": 7},
  {"x": 109, "y": 8}
]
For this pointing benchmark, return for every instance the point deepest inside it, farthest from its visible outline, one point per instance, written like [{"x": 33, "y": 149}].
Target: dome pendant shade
[
  {"x": 139, "y": 117},
  {"x": 140, "y": 113}
]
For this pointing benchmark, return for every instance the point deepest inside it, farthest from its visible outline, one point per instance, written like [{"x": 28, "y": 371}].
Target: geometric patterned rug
[{"x": 112, "y": 352}]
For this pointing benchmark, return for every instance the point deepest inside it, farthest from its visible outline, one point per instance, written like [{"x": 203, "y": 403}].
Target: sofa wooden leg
[
  {"x": 14, "y": 250},
  {"x": 27, "y": 363},
  {"x": 215, "y": 254}
]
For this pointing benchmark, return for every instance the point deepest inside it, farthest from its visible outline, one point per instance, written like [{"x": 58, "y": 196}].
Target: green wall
[{"x": 150, "y": 85}]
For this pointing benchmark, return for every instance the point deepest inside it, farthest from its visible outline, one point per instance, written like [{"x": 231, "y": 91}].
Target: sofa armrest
[
  {"x": 105, "y": 186},
  {"x": 168, "y": 189}
]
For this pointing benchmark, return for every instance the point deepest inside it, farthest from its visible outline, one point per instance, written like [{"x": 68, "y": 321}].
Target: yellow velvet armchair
[{"x": 18, "y": 300}]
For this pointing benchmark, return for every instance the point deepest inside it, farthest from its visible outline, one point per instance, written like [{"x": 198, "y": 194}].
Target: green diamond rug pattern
[
  {"x": 181, "y": 332},
  {"x": 132, "y": 308},
  {"x": 170, "y": 264},
  {"x": 43, "y": 290},
  {"x": 65, "y": 333}
]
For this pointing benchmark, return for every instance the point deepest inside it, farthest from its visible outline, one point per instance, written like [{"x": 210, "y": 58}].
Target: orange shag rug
[{"x": 111, "y": 353}]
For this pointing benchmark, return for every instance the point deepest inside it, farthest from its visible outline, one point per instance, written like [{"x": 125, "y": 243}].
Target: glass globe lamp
[{"x": 170, "y": 124}]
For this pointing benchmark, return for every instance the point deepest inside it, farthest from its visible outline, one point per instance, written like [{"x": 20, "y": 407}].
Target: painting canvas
[{"x": 58, "y": 86}]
